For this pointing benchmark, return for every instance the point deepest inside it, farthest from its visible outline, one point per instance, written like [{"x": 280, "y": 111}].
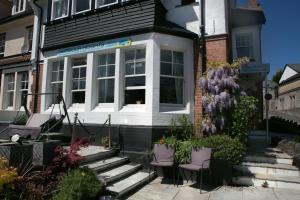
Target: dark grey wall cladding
[
  {"x": 103, "y": 23},
  {"x": 132, "y": 138}
]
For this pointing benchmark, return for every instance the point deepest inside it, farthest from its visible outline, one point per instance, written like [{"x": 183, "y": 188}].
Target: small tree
[{"x": 276, "y": 77}]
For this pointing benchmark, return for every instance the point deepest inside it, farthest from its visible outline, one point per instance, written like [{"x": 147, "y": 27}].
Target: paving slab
[
  {"x": 227, "y": 193},
  {"x": 254, "y": 193},
  {"x": 286, "y": 194}
]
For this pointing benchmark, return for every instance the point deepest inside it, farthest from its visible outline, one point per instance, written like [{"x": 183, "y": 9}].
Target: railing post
[
  {"x": 109, "y": 131},
  {"x": 74, "y": 127}
]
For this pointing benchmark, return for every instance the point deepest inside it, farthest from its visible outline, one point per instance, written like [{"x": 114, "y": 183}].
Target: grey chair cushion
[
  {"x": 163, "y": 153},
  {"x": 161, "y": 164},
  {"x": 24, "y": 132},
  {"x": 200, "y": 155},
  {"x": 191, "y": 167}
]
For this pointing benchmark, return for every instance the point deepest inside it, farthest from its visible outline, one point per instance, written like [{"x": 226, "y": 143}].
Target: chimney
[{"x": 253, "y": 4}]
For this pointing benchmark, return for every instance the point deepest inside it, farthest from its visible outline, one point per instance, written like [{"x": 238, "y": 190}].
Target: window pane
[
  {"x": 140, "y": 68},
  {"x": 102, "y": 59},
  {"x": 166, "y": 68},
  {"x": 82, "y": 72},
  {"x": 56, "y": 88},
  {"x": 60, "y": 8},
  {"x": 135, "y": 81},
  {"x": 166, "y": 56},
  {"x": 129, "y": 55},
  {"x": 102, "y": 71},
  {"x": 61, "y": 76},
  {"x": 178, "y": 57},
  {"x": 54, "y": 76},
  {"x": 129, "y": 68},
  {"x": 9, "y": 99},
  {"x": 105, "y": 2},
  {"x": 110, "y": 70},
  {"x": 82, "y": 84},
  {"x": 177, "y": 70},
  {"x": 75, "y": 72},
  {"x": 135, "y": 97},
  {"x": 140, "y": 53},
  {"x": 111, "y": 59},
  {"x": 171, "y": 90},
  {"x": 79, "y": 61},
  {"x": 78, "y": 97},
  {"x": 75, "y": 85},
  {"x": 24, "y": 98},
  {"x": 106, "y": 90},
  {"x": 82, "y": 5}
]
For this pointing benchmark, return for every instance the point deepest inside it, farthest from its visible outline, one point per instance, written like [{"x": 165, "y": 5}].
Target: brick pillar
[
  {"x": 39, "y": 89},
  {"x": 198, "y": 91},
  {"x": 217, "y": 48}
]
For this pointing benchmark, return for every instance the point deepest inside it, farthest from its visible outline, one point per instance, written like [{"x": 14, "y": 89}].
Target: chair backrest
[
  {"x": 163, "y": 153},
  {"x": 37, "y": 120},
  {"x": 199, "y": 155}
]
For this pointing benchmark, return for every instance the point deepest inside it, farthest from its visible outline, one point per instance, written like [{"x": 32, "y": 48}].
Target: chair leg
[
  {"x": 201, "y": 182},
  {"x": 174, "y": 176},
  {"x": 178, "y": 175}
]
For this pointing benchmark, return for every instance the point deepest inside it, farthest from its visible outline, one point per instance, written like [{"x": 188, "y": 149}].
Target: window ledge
[
  {"x": 134, "y": 108},
  {"x": 173, "y": 109},
  {"x": 76, "y": 108},
  {"x": 104, "y": 108}
]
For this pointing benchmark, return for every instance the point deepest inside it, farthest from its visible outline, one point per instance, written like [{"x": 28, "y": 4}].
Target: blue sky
[{"x": 281, "y": 33}]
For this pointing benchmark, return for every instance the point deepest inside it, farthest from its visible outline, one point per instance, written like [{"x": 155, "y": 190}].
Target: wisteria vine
[{"x": 220, "y": 89}]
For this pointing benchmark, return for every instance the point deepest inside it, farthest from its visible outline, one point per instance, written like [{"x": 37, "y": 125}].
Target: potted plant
[{"x": 105, "y": 142}]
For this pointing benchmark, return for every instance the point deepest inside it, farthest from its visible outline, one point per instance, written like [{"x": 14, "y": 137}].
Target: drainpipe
[
  {"x": 35, "y": 55},
  {"x": 202, "y": 34}
]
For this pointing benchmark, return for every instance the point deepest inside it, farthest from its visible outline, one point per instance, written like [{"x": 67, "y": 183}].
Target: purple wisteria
[{"x": 220, "y": 89}]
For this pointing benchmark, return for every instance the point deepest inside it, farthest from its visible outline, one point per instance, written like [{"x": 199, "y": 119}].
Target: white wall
[
  {"x": 149, "y": 114},
  {"x": 188, "y": 16}
]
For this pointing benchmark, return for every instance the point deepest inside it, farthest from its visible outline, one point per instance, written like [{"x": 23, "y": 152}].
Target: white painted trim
[
  {"x": 106, "y": 5},
  {"x": 52, "y": 17}
]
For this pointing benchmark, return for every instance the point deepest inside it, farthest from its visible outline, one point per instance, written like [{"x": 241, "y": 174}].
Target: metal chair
[
  {"x": 163, "y": 156},
  {"x": 200, "y": 161}
]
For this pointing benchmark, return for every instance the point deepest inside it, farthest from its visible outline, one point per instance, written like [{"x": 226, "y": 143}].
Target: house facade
[
  {"x": 137, "y": 61},
  {"x": 16, "y": 34}
]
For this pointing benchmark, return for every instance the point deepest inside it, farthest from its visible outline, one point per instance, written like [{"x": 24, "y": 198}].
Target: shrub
[
  {"x": 21, "y": 119},
  {"x": 7, "y": 177},
  {"x": 224, "y": 148},
  {"x": 79, "y": 184},
  {"x": 172, "y": 140},
  {"x": 242, "y": 118},
  {"x": 182, "y": 128}
]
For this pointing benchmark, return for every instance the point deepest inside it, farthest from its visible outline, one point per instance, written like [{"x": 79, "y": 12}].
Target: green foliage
[
  {"x": 276, "y": 77},
  {"x": 182, "y": 128},
  {"x": 105, "y": 141},
  {"x": 79, "y": 184},
  {"x": 21, "y": 119},
  {"x": 242, "y": 118},
  {"x": 224, "y": 148}
]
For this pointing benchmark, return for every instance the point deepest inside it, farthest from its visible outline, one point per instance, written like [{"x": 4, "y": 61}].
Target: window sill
[
  {"x": 104, "y": 108},
  {"x": 76, "y": 108},
  {"x": 173, "y": 109},
  {"x": 134, "y": 108}
]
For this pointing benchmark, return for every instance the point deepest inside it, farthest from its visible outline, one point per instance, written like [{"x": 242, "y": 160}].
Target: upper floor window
[
  {"x": 244, "y": 45},
  {"x": 59, "y": 8},
  {"x": 78, "y": 80},
  {"x": 2, "y": 45},
  {"x": 19, "y": 6},
  {"x": 81, "y": 6},
  {"x": 171, "y": 77},
  {"x": 10, "y": 89},
  {"x": 29, "y": 37},
  {"x": 102, "y": 3},
  {"x": 57, "y": 77},
  {"x": 23, "y": 88}
]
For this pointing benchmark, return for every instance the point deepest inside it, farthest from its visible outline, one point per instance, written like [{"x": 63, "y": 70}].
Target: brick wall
[
  {"x": 39, "y": 89},
  {"x": 216, "y": 50}
]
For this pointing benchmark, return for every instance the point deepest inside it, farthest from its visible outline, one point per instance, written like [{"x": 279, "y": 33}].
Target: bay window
[
  {"x": 78, "y": 80},
  {"x": 57, "y": 74},
  {"x": 81, "y": 6},
  {"x": 106, "y": 78},
  {"x": 102, "y": 3},
  {"x": 2, "y": 44},
  {"x": 135, "y": 78},
  {"x": 59, "y": 8},
  {"x": 171, "y": 77},
  {"x": 23, "y": 88},
  {"x": 244, "y": 45},
  {"x": 10, "y": 91}
]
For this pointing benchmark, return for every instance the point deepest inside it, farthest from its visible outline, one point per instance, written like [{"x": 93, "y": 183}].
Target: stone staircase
[
  {"x": 117, "y": 173},
  {"x": 267, "y": 167}
]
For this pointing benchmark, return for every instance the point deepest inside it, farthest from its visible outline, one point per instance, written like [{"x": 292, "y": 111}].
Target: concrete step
[
  {"x": 259, "y": 180},
  {"x": 268, "y": 169},
  {"x": 106, "y": 164},
  {"x": 130, "y": 183},
  {"x": 269, "y": 157},
  {"x": 94, "y": 153},
  {"x": 118, "y": 173}
]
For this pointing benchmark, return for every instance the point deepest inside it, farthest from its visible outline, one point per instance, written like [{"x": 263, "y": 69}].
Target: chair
[
  {"x": 200, "y": 161},
  {"x": 163, "y": 156}
]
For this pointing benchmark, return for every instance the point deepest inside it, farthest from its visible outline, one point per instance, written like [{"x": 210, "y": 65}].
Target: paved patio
[{"x": 156, "y": 190}]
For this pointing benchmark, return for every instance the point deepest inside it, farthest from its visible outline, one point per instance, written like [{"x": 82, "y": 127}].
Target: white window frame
[
  {"x": 106, "y": 5},
  {"x": 78, "y": 105},
  {"x": 19, "y": 2},
  {"x": 74, "y": 4},
  {"x": 250, "y": 45},
  {"x": 52, "y": 83},
  {"x": 7, "y": 91},
  {"x": 3, "y": 38},
  {"x": 134, "y": 75},
  {"x": 26, "y": 81},
  {"x": 52, "y": 10},
  {"x": 172, "y": 76},
  {"x": 105, "y": 78}
]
